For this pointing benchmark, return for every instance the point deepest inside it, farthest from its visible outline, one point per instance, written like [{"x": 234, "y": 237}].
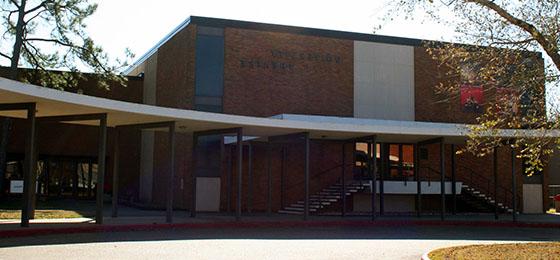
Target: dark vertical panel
[
  {"x": 495, "y": 169},
  {"x": 373, "y": 160},
  {"x": 513, "y": 186},
  {"x": 283, "y": 175},
  {"x": 342, "y": 180},
  {"x": 418, "y": 180},
  {"x": 306, "y": 200},
  {"x": 90, "y": 179},
  {"x": 453, "y": 181},
  {"x": 194, "y": 174},
  {"x": 385, "y": 161},
  {"x": 74, "y": 166},
  {"x": 115, "y": 198},
  {"x": 29, "y": 171},
  {"x": 4, "y": 136},
  {"x": 442, "y": 170},
  {"x": 101, "y": 168},
  {"x": 269, "y": 175},
  {"x": 239, "y": 173},
  {"x": 171, "y": 175},
  {"x": 250, "y": 179},
  {"x": 209, "y": 70},
  {"x": 229, "y": 178}
]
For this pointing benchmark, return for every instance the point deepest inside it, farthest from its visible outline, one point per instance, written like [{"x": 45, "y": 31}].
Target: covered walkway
[{"x": 34, "y": 103}]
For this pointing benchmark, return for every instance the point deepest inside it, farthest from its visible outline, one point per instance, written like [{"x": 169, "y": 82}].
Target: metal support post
[
  {"x": 442, "y": 170},
  {"x": 373, "y": 171},
  {"x": 29, "y": 167},
  {"x": 343, "y": 180},
  {"x": 453, "y": 181},
  {"x": 418, "y": 180},
  {"x": 495, "y": 170},
  {"x": 306, "y": 200},
  {"x": 101, "y": 168},
  {"x": 171, "y": 176},
  {"x": 239, "y": 172},
  {"x": 115, "y": 198}
]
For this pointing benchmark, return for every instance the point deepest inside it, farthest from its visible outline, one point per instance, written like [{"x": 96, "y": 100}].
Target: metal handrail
[
  {"x": 432, "y": 170},
  {"x": 507, "y": 192},
  {"x": 317, "y": 175},
  {"x": 486, "y": 181}
]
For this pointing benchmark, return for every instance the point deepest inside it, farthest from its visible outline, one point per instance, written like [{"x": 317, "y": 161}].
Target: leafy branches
[
  {"x": 505, "y": 40},
  {"x": 49, "y": 37}
]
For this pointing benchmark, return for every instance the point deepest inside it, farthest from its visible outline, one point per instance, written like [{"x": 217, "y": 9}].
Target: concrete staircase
[
  {"x": 482, "y": 201},
  {"x": 324, "y": 198}
]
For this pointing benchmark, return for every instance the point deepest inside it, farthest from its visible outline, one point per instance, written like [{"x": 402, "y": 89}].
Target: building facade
[{"x": 264, "y": 70}]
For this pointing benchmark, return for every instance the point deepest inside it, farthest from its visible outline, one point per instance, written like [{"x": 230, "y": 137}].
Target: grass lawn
[
  {"x": 549, "y": 250},
  {"x": 41, "y": 214},
  {"x": 52, "y": 208}
]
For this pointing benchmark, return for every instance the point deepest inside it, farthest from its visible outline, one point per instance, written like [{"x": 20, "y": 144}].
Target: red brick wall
[
  {"x": 481, "y": 166},
  {"x": 175, "y": 70},
  {"x": 174, "y": 88},
  {"x": 325, "y": 157},
  {"x": 289, "y": 73},
  {"x": 428, "y": 104}
]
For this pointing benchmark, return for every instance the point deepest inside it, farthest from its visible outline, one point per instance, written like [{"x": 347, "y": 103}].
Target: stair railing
[
  {"x": 488, "y": 183},
  {"x": 317, "y": 176},
  {"x": 430, "y": 174}
]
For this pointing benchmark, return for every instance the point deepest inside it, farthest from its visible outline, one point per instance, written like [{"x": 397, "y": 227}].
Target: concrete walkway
[{"x": 137, "y": 219}]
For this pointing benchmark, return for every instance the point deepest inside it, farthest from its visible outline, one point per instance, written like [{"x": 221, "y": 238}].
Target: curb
[{"x": 92, "y": 228}]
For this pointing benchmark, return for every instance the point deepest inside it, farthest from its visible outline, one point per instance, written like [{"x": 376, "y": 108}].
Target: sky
[{"x": 140, "y": 24}]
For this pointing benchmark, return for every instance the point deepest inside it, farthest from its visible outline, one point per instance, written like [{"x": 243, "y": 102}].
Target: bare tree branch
[
  {"x": 549, "y": 47},
  {"x": 70, "y": 45},
  {"x": 5, "y": 56}
]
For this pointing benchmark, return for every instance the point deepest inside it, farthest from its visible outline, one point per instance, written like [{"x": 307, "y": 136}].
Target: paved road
[{"x": 265, "y": 243}]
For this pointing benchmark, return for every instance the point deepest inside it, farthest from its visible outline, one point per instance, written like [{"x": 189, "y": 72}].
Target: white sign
[{"x": 16, "y": 186}]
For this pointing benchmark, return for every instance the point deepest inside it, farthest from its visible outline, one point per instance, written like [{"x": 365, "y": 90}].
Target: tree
[
  {"x": 505, "y": 41},
  {"x": 45, "y": 43},
  {"x": 49, "y": 38}
]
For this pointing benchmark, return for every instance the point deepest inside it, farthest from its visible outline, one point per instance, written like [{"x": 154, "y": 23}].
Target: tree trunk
[{"x": 18, "y": 41}]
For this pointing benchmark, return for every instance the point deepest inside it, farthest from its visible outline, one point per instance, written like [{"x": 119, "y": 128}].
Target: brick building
[{"x": 263, "y": 70}]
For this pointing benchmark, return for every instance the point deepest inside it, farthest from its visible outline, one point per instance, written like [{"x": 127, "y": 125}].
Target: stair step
[
  {"x": 312, "y": 202},
  {"x": 302, "y": 206},
  {"x": 299, "y": 209},
  {"x": 290, "y": 212}
]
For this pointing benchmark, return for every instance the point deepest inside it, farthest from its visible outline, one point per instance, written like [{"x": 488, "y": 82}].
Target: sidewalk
[{"x": 131, "y": 219}]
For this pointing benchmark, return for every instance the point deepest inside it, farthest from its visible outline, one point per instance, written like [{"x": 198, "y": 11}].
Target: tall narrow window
[{"x": 209, "y": 69}]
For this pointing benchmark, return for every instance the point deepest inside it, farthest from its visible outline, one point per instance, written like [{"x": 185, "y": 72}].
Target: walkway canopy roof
[{"x": 52, "y": 102}]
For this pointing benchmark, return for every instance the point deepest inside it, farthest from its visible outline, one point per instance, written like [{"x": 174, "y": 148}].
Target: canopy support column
[
  {"x": 115, "y": 198},
  {"x": 385, "y": 161},
  {"x": 513, "y": 187},
  {"x": 418, "y": 180},
  {"x": 306, "y": 201},
  {"x": 442, "y": 170},
  {"x": 250, "y": 178},
  {"x": 372, "y": 147},
  {"x": 101, "y": 168},
  {"x": 453, "y": 181},
  {"x": 269, "y": 177},
  {"x": 30, "y": 162},
  {"x": 170, "y": 125},
  {"x": 495, "y": 170},
  {"x": 343, "y": 181},
  {"x": 171, "y": 176},
  {"x": 239, "y": 172}
]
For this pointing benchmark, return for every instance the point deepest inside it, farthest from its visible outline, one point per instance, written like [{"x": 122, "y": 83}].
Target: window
[{"x": 209, "y": 69}]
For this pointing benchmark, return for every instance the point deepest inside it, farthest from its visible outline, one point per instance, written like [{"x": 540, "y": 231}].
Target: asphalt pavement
[{"x": 401, "y": 242}]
